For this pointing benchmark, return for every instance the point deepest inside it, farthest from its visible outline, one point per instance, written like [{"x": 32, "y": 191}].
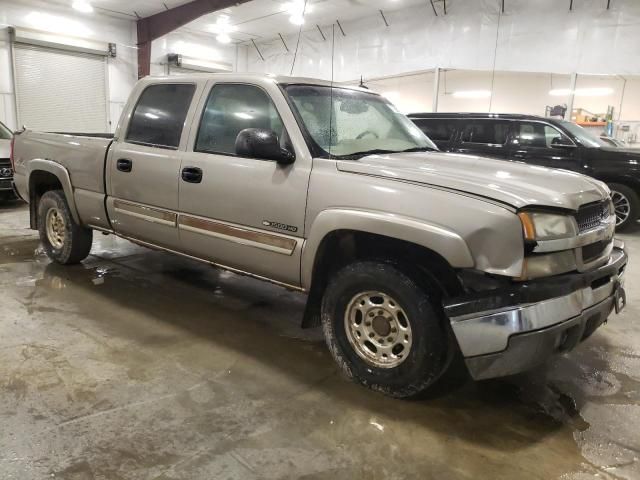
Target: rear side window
[
  {"x": 436, "y": 129},
  {"x": 159, "y": 116},
  {"x": 489, "y": 132}
]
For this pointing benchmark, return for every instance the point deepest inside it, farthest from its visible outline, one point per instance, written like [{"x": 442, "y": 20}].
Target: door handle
[
  {"x": 124, "y": 165},
  {"x": 192, "y": 175}
]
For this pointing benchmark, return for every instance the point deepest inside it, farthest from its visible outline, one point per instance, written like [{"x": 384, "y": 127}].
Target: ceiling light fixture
[
  {"x": 296, "y": 10},
  {"x": 582, "y": 92},
  {"x": 472, "y": 94},
  {"x": 82, "y": 6},
  {"x": 223, "y": 28}
]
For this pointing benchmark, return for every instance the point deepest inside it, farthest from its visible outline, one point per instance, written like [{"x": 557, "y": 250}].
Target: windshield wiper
[
  {"x": 419, "y": 149},
  {"x": 379, "y": 151},
  {"x": 356, "y": 155}
]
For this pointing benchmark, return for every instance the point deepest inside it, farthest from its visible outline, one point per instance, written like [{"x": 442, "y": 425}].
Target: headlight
[{"x": 547, "y": 226}]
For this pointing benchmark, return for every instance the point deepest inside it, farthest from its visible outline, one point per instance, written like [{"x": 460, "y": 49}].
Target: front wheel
[
  {"x": 626, "y": 205},
  {"x": 384, "y": 330},
  {"x": 64, "y": 241}
]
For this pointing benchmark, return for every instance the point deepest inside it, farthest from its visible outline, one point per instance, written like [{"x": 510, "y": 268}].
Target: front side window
[
  {"x": 345, "y": 123},
  {"x": 230, "y": 109},
  {"x": 490, "y": 132},
  {"x": 583, "y": 136},
  {"x": 5, "y": 133},
  {"x": 159, "y": 116},
  {"x": 540, "y": 135}
]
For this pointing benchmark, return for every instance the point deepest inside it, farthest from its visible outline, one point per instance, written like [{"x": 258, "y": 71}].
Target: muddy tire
[
  {"x": 64, "y": 241},
  {"x": 383, "y": 329},
  {"x": 626, "y": 205}
]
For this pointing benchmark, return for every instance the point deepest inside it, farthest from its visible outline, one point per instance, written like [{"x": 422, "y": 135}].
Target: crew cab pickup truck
[{"x": 409, "y": 256}]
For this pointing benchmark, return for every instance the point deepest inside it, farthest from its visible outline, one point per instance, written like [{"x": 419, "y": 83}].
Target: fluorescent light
[
  {"x": 223, "y": 38},
  {"x": 296, "y": 10},
  {"x": 582, "y": 92},
  {"x": 223, "y": 28},
  {"x": 472, "y": 94},
  {"x": 244, "y": 116},
  {"x": 82, "y": 6}
]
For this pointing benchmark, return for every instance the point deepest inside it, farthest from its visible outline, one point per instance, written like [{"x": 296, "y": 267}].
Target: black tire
[
  {"x": 430, "y": 351},
  {"x": 77, "y": 240},
  {"x": 634, "y": 204}
]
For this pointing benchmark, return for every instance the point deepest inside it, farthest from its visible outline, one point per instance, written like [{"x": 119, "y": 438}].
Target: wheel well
[
  {"x": 341, "y": 247},
  {"x": 40, "y": 182}
]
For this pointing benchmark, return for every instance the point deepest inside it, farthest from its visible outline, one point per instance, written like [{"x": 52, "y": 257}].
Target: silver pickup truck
[{"x": 409, "y": 256}]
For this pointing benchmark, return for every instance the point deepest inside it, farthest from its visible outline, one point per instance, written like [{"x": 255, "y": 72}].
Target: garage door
[{"x": 60, "y": 91}]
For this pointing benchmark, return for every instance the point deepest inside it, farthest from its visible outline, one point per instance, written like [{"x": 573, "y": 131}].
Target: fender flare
[
  {"x": 62, "y": 174},
  {"x": 441, "y": 240}
]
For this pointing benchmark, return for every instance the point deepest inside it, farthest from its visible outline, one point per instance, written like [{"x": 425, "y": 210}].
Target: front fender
[
  {"x": 61, "y": 173},
  {"x": 441, "y": 240}
]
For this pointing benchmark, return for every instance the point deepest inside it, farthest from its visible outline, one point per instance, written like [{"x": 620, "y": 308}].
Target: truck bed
[{"x": 83, "y": 155}]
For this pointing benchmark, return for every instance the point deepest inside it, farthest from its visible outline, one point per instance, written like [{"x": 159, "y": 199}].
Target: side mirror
[{"x": 264, "y": 144}]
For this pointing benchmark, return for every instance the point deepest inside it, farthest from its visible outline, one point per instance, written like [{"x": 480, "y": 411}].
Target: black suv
[{"x": 541, "y": 141}]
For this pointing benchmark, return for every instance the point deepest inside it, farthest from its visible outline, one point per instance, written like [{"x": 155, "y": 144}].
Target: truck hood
[
  {"x": 5, "y": 147},
  {"x": 513, "y": 183}
]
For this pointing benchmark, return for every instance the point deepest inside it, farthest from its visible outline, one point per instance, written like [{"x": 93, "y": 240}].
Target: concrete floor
[{"x": 143, "y": 365}]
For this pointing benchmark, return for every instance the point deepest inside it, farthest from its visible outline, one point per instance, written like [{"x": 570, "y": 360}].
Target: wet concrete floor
[{"x": 143, "y": 365}]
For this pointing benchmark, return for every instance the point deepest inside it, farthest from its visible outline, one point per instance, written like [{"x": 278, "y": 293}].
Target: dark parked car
[{"x": 541, "y": 141}]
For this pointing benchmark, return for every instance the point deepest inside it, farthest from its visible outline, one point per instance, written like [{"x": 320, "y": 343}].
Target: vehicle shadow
[
  {"x": 233, "y": 311},
  {"x": 11, "y": 204}
]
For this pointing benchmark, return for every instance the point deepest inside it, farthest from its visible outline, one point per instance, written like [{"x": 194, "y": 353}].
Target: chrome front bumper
[{"x": 532, "y": 321}]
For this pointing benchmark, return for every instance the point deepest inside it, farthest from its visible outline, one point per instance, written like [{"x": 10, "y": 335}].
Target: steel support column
[{"x": 155, "y": 26}]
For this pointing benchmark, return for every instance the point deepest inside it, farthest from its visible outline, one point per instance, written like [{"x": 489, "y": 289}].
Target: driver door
[{"x": 243, "y": 213}]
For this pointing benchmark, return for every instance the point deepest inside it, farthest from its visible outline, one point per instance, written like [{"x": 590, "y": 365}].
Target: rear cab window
[{"x": 159, "y": 116}]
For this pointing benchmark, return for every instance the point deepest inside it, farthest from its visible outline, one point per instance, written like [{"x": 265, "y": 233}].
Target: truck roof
[
  {"x": 463, "y": 115},
  {"x": 252, "y": 77}
]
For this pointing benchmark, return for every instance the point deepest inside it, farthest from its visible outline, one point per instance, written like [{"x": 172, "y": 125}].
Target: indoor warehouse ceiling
[{"x": 257, "y": 19}]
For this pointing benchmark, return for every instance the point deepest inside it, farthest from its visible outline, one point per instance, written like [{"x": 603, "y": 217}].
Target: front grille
[
  {"x": 591, "y": 215},
  {"x": 593, "y": 251},
  {"x": 5, "y": 162},
  {"x": 6, "y": 185}
]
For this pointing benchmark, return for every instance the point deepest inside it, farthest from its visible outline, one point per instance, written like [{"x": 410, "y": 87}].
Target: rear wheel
[
  {"x": 64, "y": 241},
  {"x": 384, "y": 330},
  {"x": 626, "y": 205}
]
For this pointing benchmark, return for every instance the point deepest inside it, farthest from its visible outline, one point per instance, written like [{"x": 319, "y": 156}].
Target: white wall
[
  {"x": 532, "y": 36},
  {"x": 41, "y": 16}
]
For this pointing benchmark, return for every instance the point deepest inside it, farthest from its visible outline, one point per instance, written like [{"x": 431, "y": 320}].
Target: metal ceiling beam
[{"x": 155, "y": 26}]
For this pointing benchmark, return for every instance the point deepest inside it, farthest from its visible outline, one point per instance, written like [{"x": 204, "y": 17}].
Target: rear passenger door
[
  {"x": 143, "y": 165},
  {"x": 540, "y": 143},
  {"x": 484, "y": 137},
  {"x": 441, "y": 131}
]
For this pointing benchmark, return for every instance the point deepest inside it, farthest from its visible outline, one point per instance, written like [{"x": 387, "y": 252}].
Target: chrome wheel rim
[
  {"x": 378, "y": 329},
  {"x": 621, "y": 206},
  {"x": 56, "y": 228}
]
